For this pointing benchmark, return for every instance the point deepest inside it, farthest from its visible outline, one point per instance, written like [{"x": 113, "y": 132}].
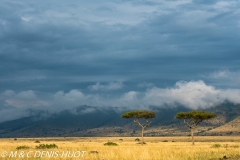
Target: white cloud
[
  {"x": 73, "y": 98},
  {"x": 231, "y": 95},
  {"x": 225, "y": 74},
  {"x": 225, "y": 6},
  {"x": 227, "y": 77},
  {"x": 23, "y": 99},
  {"x": 107, "y": 87},
  {"x": 193, "y": 95},
  {"x": 26, "y": 19},
  {"x": 73, "y": 95},
  {"x": 221, "y": 74}
]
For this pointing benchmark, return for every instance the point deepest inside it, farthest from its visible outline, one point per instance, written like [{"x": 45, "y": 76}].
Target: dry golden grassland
[{"x": 92, "y": 148}]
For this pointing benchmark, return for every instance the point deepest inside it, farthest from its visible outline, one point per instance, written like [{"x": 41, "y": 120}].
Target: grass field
[{"x": 93, "y": 148}]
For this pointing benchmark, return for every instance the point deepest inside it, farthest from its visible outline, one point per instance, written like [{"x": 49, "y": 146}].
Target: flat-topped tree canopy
[
  {"x": 195, "y": 115},
  {"x": 139, "y": 114},
  {"x": 194, "y": 118}
]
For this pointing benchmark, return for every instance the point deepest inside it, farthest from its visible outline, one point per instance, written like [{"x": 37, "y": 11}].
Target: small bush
[
  {"x": 137, "y": 139},
  {"x": 165, "y": 141},
  {"x": 216, "y": 145},
  {"x": 141, "y": 143},
  {"x": 15, "y": 139},
  {"x": 93, "y": 152},
  {"x": 22, "y": 147},
  {"x": 37, "y": 142},
  {"x": 110, "y": 144},
  {"x": 46, "y": 146}
]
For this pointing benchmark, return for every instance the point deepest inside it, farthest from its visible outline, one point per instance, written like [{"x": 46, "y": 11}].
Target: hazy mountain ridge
[{"x": 92, "y": 121}]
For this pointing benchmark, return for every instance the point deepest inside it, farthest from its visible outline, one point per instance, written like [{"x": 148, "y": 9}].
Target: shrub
[
  {"x": 165, "y": 141},
  {"x": 37, "y": 142},
  {"x": 93, "y": 152},
  {"x": 22, "y": 147},
  {"x": 216, "y": 145},
  {"x": 46, "y": 146},
  {"x": 110, "y": 144},
  {"x": 137, "y": 139}
]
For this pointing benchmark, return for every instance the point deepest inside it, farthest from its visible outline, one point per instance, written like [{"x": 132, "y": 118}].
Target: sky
[{"x": 57, "y": 55}]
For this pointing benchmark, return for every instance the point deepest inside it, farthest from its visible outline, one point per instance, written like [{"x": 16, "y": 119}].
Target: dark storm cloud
[
  {"x": 44, "y": 39},
  {"x": 86, "y": 49}
]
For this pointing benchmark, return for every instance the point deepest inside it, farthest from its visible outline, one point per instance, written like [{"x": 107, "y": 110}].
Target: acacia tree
[
  {"x": 139, "y": 114},
  {"x": 193, "y": 119}
]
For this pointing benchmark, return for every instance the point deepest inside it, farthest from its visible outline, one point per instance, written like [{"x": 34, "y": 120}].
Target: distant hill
[
  {"x": 230, "y": 128},
  {"x": 92, "y": 121}
]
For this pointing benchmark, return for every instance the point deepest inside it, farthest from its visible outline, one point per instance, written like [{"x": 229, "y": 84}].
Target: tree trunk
[
  {"x": 142, "y": 134},
  {"x": 192, "y": 132}
]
